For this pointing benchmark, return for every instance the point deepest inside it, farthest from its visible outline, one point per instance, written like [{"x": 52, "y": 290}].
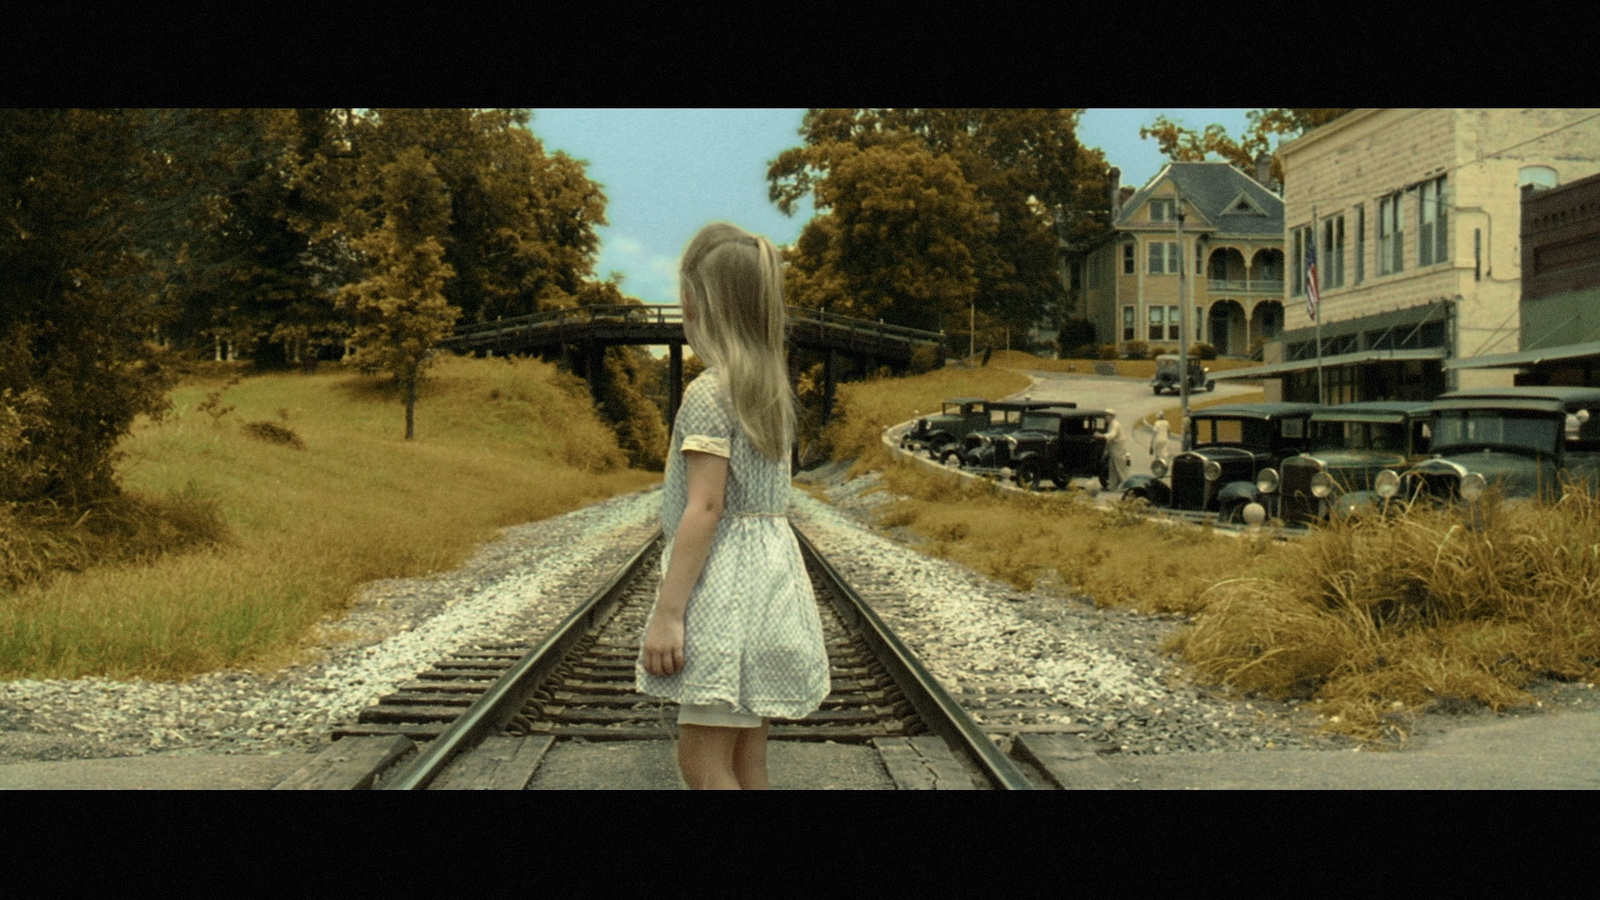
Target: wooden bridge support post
[
  {"x": 594, "y": 364},
  {"x": 827, "y": 385},
  {"x": 674, "y": 382}
]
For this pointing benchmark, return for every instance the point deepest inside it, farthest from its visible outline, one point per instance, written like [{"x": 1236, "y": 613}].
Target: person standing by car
[
  {"x": 1119, "y": 460},
  {"x": 1161, "y": 439}
]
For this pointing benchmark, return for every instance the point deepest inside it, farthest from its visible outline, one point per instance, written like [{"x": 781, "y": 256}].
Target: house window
[
  {"x": 1297, "y": 268},
  {"x": 1161, "y": 210},
  {"x": 1127, "y": 259},
  {"x": 1390, "y": 235},
  {"x": 1361, "y": 243},
  {"x": 1172, "y": 323},
  {"x": 1127, "y": 323},
  {"x": 1330, "y": 262},
  {"x": 1431, "y": 222},
  {"x": 1163, "y": 258},
  {"x": 1158, "y": 315}
]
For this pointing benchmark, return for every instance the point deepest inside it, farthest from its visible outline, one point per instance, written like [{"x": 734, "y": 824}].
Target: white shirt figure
[
  {"x": 1160, "y": 437},
  {"x": 1117, "y": 450}
]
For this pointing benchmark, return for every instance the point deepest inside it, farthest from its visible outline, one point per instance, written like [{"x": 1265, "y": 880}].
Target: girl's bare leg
[
  {"x": 750, "y": 758},
  {"x": 705, "y": 756}
]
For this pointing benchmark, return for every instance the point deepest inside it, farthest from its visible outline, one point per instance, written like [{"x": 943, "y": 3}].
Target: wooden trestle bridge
[{"x": 591, "y": 329}]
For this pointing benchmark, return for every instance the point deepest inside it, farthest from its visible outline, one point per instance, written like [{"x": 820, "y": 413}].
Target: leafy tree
[
  {"x": 400, "y": 308},
  {"x": 245, "y": 258},
  {"x": 1267, "y": 126},
  {"x": 80, "y": 197},
  {"x": 894, "y": 238},
  {"x": 1023, "y": 168},
  {"x": 522, "y": 223}
]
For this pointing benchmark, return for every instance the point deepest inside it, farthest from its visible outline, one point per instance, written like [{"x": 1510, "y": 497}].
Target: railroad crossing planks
[
  {"x": 498, "y": 764},
  {"x": 1067, "y": 762},
  {"x": 351, "y": 764},
  {"x": 922, "y": 763}
]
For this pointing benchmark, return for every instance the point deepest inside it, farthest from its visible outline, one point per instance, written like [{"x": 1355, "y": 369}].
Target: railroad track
[{"x": 487, "y": 716}]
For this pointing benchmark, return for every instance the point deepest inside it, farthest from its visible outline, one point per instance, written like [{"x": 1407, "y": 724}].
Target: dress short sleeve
[{"x": 704, "y": 419}]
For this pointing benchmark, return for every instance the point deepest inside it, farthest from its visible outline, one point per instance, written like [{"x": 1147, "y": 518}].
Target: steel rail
[
  {"x": 497, "y": 706},
  {"x": 938, "y": 710}
]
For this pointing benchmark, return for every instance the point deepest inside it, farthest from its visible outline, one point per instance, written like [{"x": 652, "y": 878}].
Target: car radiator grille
[
  {"x": 1299, "y": 504},
  {"x": 1188, "y": 483}
]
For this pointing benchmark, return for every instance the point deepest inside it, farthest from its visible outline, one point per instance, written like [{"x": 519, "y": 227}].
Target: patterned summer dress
[{"x": 752, "y": 636}]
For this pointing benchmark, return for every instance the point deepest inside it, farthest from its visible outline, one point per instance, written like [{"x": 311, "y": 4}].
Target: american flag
[{"x": 1313, "y": 295}]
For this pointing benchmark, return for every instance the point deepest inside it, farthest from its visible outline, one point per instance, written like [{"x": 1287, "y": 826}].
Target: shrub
[
  {"x": 1136, "y": 350},
  {"x": 1107, "y": 351},
  {"x": 273, "y": 433},
  {"x": 1202, "y": 350}
]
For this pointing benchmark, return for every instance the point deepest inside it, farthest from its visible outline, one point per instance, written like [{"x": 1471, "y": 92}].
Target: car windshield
[
  {"x": 1039, "y": 423},
  {"x": 1380, "y": 436},
  {"x": 1495, "y": 427},
  {"x": 1251, "y": 432}
]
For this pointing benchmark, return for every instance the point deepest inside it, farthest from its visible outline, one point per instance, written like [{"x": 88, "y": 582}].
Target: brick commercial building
[
  {"x": 1560, "y": 307},
  {"x": 1417, "y": 220}
]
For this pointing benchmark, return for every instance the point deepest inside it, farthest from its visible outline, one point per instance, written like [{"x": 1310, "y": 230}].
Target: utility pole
[{"x": 1183, "y": 321}]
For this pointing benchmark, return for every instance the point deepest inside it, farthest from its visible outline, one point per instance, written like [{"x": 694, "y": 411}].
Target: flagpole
[{"x": 1322, "y": 396}]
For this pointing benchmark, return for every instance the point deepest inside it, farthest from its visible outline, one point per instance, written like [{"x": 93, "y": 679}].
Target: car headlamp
[
  {"x": 1158, "y": 467},
  {"x": 1387, "y": 484},
  {"x": 1213, "y": 470},
  {"x": 1322, "y": 485},
  {"x": 1472, "y": 486},
  {"x": 1267, "y": 481}
]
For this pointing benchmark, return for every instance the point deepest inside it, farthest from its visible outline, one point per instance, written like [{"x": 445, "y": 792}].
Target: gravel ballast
[{"x": 516, "y": 588}]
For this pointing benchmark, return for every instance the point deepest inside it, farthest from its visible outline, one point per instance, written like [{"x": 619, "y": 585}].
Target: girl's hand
[{"x": 663, "y": 645}]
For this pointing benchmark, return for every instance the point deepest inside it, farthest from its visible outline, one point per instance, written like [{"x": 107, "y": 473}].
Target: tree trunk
[{"x": 410, "y": 391}]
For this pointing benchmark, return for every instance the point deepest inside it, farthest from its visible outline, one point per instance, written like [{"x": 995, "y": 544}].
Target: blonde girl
[{"x": 734, "y": 637}]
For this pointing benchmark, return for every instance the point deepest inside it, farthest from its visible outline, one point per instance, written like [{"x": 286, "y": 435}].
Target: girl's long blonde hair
[{"x": 733, "y": 282}]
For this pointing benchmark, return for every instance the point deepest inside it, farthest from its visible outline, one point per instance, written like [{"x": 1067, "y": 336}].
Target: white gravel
[
  {"x": 514, "y": 589},
  {"x": 986, "y": 641}
]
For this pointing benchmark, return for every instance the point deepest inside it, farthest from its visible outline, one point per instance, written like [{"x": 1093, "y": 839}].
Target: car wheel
[
  {"x": 1028, "y": 475},
  {"x": 951, "y": 459},
  {"x": 1232, "y": 514},
  {"x": 1156, "y": 390}
]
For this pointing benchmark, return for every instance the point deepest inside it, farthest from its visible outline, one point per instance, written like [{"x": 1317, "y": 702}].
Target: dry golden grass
[
  {"x": 1374, "y": 620},
  {"x": 1117, "y": 559},
  {"x": 498, "y": 443},
  {"x": 1380, "y": 618}
]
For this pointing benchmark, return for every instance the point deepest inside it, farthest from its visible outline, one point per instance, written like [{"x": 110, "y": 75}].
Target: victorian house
[{"x": 1127, "y": 283}]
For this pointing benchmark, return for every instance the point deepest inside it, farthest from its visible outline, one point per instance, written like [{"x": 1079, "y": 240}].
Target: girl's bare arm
[{"x": 691, "y": 546}]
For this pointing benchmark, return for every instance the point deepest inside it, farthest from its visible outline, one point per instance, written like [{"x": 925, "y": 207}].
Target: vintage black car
[
  {"x": 957, "y": 418},
  {"x": 1054, "y": 444},
  {"x": 1167, "y": 379},
  {"x": 1350, "y": 445},
  {"x": 1230, "y": 445},
  {"x": 1525, "y": 442},
  {"x": 1005, "y": 416}
]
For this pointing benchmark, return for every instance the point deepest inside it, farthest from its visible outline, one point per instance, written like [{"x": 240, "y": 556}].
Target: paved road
[{"x": 1130, "y": 397}]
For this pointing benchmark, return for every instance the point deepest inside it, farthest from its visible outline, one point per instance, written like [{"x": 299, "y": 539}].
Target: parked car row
[
  {"x": 1301, "y": 463},
  {"x": 1031, "y": 441}
]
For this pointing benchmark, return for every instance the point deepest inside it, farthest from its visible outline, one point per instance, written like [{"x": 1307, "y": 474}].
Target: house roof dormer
[{"x": 1217, "y": 196}]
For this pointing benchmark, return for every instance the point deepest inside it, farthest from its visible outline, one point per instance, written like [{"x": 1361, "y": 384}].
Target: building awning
[
  {"x": 1278, "y": 370},
  {"x": 1525, "y": 357}
]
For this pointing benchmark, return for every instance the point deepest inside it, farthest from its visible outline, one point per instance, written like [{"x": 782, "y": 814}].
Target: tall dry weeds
[{"x": 1380, "y": 617}]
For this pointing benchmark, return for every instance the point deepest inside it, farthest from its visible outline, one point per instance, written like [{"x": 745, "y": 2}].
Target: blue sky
[{"x": 666, "y": 172}]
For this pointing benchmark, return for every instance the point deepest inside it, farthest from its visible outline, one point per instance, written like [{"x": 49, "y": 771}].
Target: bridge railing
[{"x": 673, "y": 315}]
